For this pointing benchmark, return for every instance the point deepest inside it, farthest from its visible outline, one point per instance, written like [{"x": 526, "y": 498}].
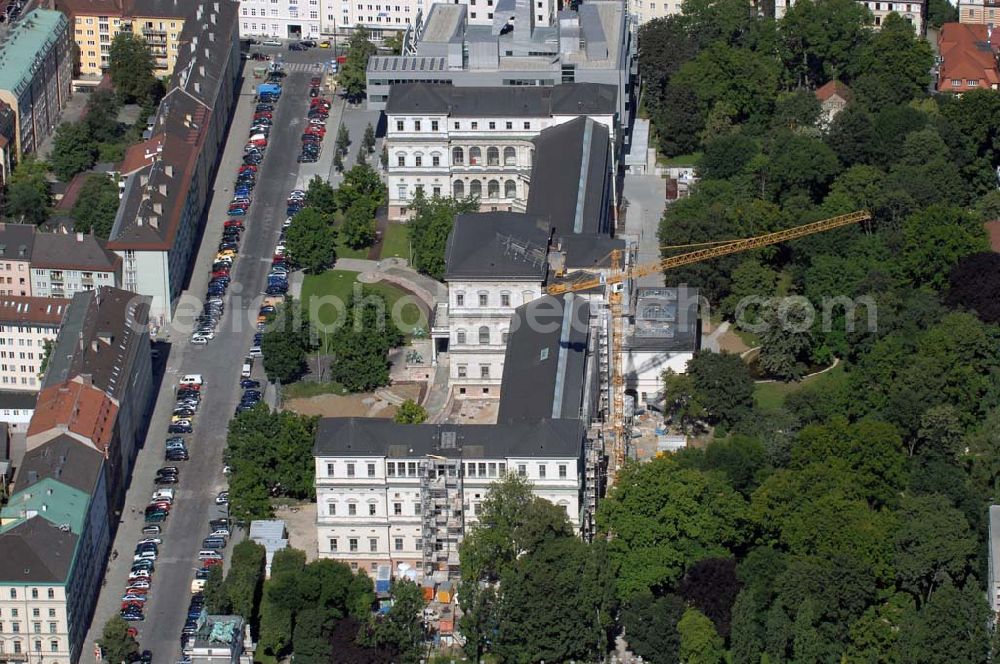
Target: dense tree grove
[
  {"x": 360, "y": 347},
  {"x": 429, "y": 229},
  {"x": 269, "y": 454},
  {"x": 323, "y": 612},
  {"x": 847, "y": 522}
]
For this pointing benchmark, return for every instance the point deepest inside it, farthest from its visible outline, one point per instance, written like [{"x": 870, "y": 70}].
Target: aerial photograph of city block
[{"x": 499, "y": 331}]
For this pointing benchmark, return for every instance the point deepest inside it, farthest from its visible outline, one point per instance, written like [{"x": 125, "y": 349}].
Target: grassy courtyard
[
  {"x": 771, "y": 396},
  {"x": 396, "y": 243},
  {"x": 340, "y": 285}
]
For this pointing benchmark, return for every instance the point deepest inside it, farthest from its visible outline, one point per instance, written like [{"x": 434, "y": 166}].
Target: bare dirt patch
[{"x": 353, "y": 405}]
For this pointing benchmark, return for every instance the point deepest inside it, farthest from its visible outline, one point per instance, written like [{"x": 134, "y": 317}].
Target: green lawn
[
  {"x": 340, "y": 283},
  {"x": 343, "y": 251},
  {"x": 771, "y": 396},
  {"x": 679, "y": 160},
  {"x": 396, "y": 242},
  {"x": 309, "y": 388}
]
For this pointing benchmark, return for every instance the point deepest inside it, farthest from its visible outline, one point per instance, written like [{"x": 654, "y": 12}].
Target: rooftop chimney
[
  {"x": 169, "y": 170},
  {"x": 163, "y": 188},
  {"x": 158, "y": 208}
]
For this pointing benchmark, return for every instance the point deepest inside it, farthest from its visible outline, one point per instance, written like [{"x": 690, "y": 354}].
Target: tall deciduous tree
[
  {"x": 650, "y": 626},
  {"x": 321, "y": 195},
  {"x": 879, "y": 83},
  {"x": 430, "y": 227},
  {"x": 952, "y": 627},
  {"x": 284, "y": 344},
  {"x": 723, "y": 386},
  {"x": 410, "y": 412},
  {"x": 73, "y": 150},
  {"x": 310, "y": 240},
  {"x": 96, "y": 206},
  {"x": 401, "y": 630},
  {"x": 361, "y": 346},
  {"x": 820, "y": 39},
  {"x": 28, "y": 192},
  {"x": 665, "y": 518},
  {"x": 130, "y": 65},
  {"x": 933, "y": 543},
  {"x": 352, "y": 72},
  {"x": 117, "y": 645},
  {"x": 359, "y": 224},
  {"x": 934, "y": 240},
  {"x": 700, "y": 643},
  {"x": 974, "y": 283}
]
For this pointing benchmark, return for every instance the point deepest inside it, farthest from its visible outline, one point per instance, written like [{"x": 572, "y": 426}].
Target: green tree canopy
[
  {"x": 360, "y": 347},
  {"x": 665, "y": 518},
  {"x": 352, "y": 72},
  {"x": 73, "y": 150},
  {"x": 28, "y": 192},
  {"x": 410, "y": 412},
  {"x": 310, "y": 240},
  {"x": 117, "y": 645},
  {"x": 429, "y": 229},
  {"x": 700, "y": 643},
  {"x": 723, "y": 386},
  {"x": 96, "y": 207},
  {"x": 130, "y": 65}
]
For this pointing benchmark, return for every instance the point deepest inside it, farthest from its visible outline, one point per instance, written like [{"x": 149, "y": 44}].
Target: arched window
[
  {"x": 509, "y": 189},
  {"x": 492, "y": 157},
  {"x": 476, "y": 188},
  {"x": 460, "y": 337},
  {"x": 458, "y": 189},
  {"x": 457, "y": 156},
  {"x": 493, "y": 189},
  {"x": 475, "y": 157},
  {"x": 484, "y": 335},
  {"x": 509, "y": 156}
]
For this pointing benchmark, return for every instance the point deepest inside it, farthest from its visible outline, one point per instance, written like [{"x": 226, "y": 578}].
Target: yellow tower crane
[{"x": 618, "y": 275}]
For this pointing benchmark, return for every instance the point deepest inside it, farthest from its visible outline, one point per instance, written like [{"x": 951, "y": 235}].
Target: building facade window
[
  {"x": 492, "y": 156},
  {"x": 509, "y": 189},
  {"x": 476, "y": 189},
  {"x": 493, "y": 189},
  {"x": 509, "y": 156},
  {"x": 458, "y": 189},
  {"x": 457, "y": 156},
  {"x": 484, "y": 334}
]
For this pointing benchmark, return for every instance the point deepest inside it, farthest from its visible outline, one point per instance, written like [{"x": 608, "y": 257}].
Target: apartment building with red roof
[{"x": 969, "y": 58}]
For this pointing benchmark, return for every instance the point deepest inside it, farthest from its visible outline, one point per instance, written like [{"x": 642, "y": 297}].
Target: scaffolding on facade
[{"x": 443, "y": 514}]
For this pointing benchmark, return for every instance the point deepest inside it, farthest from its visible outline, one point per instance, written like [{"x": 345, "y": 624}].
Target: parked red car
[{"x": 233, "y": 223}]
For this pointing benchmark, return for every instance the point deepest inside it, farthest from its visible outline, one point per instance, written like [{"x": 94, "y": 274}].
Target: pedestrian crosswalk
[{"x": 290, "y": 67}]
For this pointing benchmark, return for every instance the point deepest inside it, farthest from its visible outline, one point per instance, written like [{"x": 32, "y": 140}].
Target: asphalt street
[{"x": 219, "y": 363}]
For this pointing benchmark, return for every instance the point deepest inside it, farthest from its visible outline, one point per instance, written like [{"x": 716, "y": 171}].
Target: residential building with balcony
[
  {"x": 593, "y": 44},
  {"x": 64, "y": 264},
  {"x": 96, "y": 23},
  {"x": 168, "y": 177},
  {"x": 55, "y": 539},
  {"x": 282, "y": 19},
  {"x": 451, "y": 141},
  {"x": 27, "y": 325},
  {"x": 36, "y": 53},
  {"x": 390, "y": 493},
  {"x": 968, "y": 58},
  {"x": 17, "y": 242}
]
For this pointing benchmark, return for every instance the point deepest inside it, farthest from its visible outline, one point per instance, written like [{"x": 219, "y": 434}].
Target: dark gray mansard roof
[
  {"x": 545, "y": 365},
  {"x": 360, "y": 436},
  {"x": 569, "y": 177},
  {"x": 496, "y": 245},
  {"x": 475, "y": 102}
]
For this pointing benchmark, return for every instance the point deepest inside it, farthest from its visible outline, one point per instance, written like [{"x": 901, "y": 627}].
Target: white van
[
  {"x": 163, "y": 494},
  {"x": 247, "y": 367},
  {"x": 208, "y": 554},
  {"x": 192, "y": 379},
  {"x": 197, "y": 585}
]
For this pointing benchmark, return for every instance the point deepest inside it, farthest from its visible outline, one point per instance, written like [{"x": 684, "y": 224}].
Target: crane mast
[{"x": 619, "y": 275}]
